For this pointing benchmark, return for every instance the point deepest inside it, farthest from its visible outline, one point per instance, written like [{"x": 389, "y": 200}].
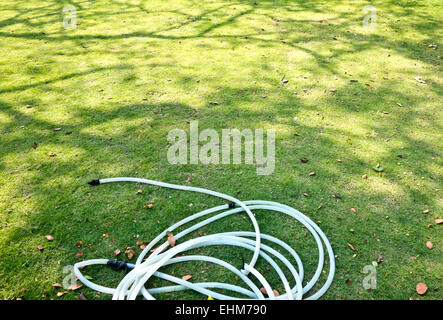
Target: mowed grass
[{"x": 133, "y": 70}]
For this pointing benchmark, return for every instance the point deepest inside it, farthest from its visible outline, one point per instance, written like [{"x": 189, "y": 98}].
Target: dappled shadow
[{"x": 116, "y": 109}]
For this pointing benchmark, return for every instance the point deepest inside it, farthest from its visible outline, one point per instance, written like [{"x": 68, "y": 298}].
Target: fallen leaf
[
  {"x": 171, "y": 239},
  {"x": 429, "y": 245},
  {"x": 40, "y": 247},
  {"x": 187, "y": 277},
  {"x": 60, "y": 293},
  {"x": 79, "y": 254},
  {"x": 351, "y": 230},
  {"x": 304, "y": 160},
  {"x": 365, "y": 176},
  {"x": 56, "y": 285},
  {"x": 52, "y": 155},
  {"x": 421, "y": 288},
  {"x": 276, "y": 293},
  {"x": 353, "y": 210},
  {"x": 49, "y": 237},
  {"x": 140, "y": 191},
  {"x": 438, "y": 221},
  {"x": 75, "y": 286},
  {"x": 188, "y": 180},
  {"x": 380, "y": 259},
  {"x": 78, "y": 244},
  {"x": 312, "y": 173},
  {"x": 117, "y": 252},
  {"x": 57, "y": 129},
  {"x": 263, "y": 290},
  {"x": 149, "y": 206},
  {"x": 426, "y": 211},
  {"x": 351, "y": 246},
  {"x": 129, "y": 252}
]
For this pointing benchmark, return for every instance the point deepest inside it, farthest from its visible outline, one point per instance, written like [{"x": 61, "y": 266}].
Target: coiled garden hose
[{"x": 133, "y": 284}]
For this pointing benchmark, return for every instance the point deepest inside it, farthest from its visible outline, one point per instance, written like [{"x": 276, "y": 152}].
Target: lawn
[{"x": 98, "y": 101}]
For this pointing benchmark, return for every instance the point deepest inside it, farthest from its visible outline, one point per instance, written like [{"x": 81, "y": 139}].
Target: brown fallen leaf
[
  {"x": 421, "y": 288},
  {"x": 56, "y": 285},
  {"x": 171, "y": 238},
  {"x": 153, "y": 250},
  {"x": 129, "y": 252},
  {"x": 117, "y": 252},
  {"x": 79, "y": 254},
  {"x": 304, "y": 160},
  {"x": 426, "y": 211},
  {"x": 353, "y": 210},
  {"x": 49, "y": 237},
  {"x": 351, "y": 246},
  {"x": 74, "y": 286},
  {"x": 78, "y": 244},
  {"x": 140, "y": 191},
  {"x": 312, "y": 174},
  {"x": 365, "y": 176},
  {"x": 429, "y": 245},
  {"x": 52, "y": 155},
  {"x": 380, "y": 259},
  {"x": 438, "y": 221},
  {"x": 60, "y": 293},
  {"x": 187, "y": 277},
  {"x": 40, "y": 247},
  {"x": 149, "y": 206},
  {"x": 188, "y": 180},
  {"x": 263, "y": 290},
  {"x": 276, "y": 293},
  {"x": 57, "y": 129}
]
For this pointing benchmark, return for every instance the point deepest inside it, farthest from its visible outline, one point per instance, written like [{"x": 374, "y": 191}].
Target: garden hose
[{"x": 145, "y": 267}]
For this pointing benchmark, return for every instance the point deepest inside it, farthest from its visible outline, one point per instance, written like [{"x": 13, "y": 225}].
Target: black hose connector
[
  {"x": 232, "y": 205},
  {"x": 94, "y": 182},
  {"x": 118, "y": 265}
]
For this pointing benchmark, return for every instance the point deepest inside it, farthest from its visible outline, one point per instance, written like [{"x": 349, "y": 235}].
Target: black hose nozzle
[{"x": 94, "y": 182}]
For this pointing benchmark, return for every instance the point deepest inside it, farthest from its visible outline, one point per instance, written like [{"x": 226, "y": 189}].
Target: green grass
[{"x": 129, "y": 71}]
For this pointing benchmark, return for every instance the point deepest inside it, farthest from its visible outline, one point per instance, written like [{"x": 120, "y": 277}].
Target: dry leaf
[
  {"x": 140, "y": 191},
  {"x": 188, "y": 180},
  {"x": 276, "y": 293},
  {"x": 421, "y": 288},
  {"x": 52, "y": 154},
  {"x": 429, "y": 245},
  {"x": 79, "y": 244},
  {"x": 353, "y": 210},
  {"x": 171, "y": 239},
  {"x": 75, "y": 286},
  {"x": 426, "y": 211},
  {"x": 312, "y": 173},
  {"x": 49, "y": 237},
  {"x": 365, "y": 176},
  {"x": 79, "y": 254},
  {"x": 129, "y": 252},
  {"x": 351, "y": 246},
  {"x": 149, "y": 206},
  {"x": 187, "y": 277},
  {"x": 380, "y": 259},
  {"x": 57, "y": 285},
  {"x": 40, "y": 247},
  {"x": 60, "y": 293},
  {"x": 117, "y": 252},
  {"x": 438, "y": 221},
  {"x": 263, "y": 290}
]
